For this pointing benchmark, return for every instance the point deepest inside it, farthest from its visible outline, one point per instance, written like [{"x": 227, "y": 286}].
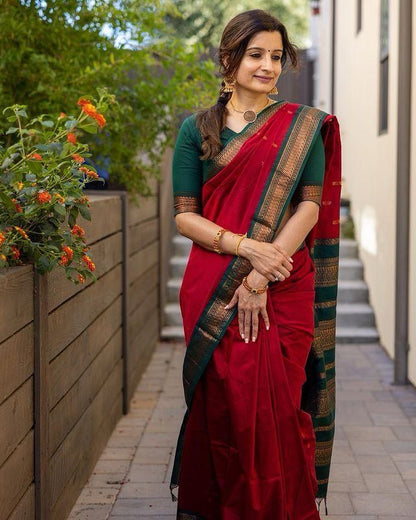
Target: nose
[{"x": 267, "y": 64}]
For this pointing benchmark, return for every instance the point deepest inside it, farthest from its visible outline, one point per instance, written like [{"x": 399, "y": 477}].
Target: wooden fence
[{"x": 71, "y": 356}]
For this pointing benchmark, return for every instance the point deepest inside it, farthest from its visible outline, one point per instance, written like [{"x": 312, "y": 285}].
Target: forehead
[{"x": 266, "y": 40}]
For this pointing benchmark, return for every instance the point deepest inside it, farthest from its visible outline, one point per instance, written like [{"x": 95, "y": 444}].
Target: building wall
[
  {"x": 412, "y": 280},
  {"x": 369, "y": 159}
]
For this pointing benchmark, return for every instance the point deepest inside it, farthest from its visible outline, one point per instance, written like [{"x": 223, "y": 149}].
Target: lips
[{"x": 263, "y": 78}]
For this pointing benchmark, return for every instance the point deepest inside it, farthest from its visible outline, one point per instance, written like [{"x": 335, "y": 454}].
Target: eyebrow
[{"x": 261, "y": 49}]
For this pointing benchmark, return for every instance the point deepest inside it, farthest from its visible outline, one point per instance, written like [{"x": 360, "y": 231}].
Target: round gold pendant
[{"x": 250, "y": 116}]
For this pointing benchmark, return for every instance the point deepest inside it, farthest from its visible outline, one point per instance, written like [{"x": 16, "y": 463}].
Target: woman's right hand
[{"x": 268, "y": 259}]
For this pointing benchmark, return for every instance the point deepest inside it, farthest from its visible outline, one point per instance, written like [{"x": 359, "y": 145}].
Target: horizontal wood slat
[
  {"x": 16, "y": 288},
  {"x": 16, "y": 358}
]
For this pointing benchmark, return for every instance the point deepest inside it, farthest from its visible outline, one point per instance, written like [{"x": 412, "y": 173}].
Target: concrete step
[
  {"x": 350, "y": 269},
  {"x": 173, "y": 314},
  {"x": 355, "y": 315},
  {"x": 177, "y": 266},
  {"x": 352, "y": 291},
  {"x": 174, "y": 332},
  {"x": 181, "y": 245},
  {"x": 173, "y": 287},
  {"x": 348, "y": 248},
  {"x": 357, "y": 335}
]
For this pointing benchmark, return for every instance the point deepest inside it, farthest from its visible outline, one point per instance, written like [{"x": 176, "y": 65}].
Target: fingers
[
  {"x": 254, "y": 325},
  {"x": 247, "y": 325},
  {"x": 241, "y": 322},
  {"x": 284, "y": 253},
  {"x": 265, "y": 317},
  {"x": 232, "y": 302}
]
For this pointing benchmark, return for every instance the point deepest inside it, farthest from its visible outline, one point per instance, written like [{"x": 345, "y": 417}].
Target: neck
[{"x": 245, "y": 100}]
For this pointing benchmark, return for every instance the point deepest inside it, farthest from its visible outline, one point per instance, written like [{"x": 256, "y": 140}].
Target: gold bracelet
[
  {"x": 217, "y": 237},
  {"x": 239, "y": 242},
  {"x": 254, "y": 290}
]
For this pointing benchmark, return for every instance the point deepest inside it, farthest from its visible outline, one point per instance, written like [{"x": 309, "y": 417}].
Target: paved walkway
[{"x": 373, "y": 474}]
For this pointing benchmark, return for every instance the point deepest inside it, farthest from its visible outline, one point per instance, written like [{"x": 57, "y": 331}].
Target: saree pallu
[{"x": 256, "y": 440}]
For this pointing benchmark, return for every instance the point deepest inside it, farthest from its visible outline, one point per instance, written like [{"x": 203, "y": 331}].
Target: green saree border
[{"x": 280, "y": 185}]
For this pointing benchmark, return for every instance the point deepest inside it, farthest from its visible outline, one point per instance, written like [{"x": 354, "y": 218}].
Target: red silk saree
[{"x": 256, "y": 440}]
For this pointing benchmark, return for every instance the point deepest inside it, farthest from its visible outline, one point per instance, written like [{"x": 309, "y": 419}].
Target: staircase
[{"x": 355, "y": 317}]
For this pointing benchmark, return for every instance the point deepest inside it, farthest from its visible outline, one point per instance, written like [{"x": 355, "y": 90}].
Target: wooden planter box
[{"x": 71, "y": 356}]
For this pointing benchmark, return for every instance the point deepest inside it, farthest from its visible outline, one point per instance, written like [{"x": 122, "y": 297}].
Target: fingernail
[
  {"x": 242, "y": 335},
  {"x": 254, "y": 338},
  {"x": 291, "y": 259},
  {"x": 267, "y": 327},
  {"x": 246, "y": 340},
  {"x": 226, "y": 307}
]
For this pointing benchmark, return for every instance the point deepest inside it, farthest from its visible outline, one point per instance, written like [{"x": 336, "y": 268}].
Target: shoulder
[{"x": 189, "y": 131}]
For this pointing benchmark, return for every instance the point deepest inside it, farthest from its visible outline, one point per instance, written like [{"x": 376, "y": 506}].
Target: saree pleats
[
  {"x": 256, "y": 441},
  {"x": 249, "y": 449}
]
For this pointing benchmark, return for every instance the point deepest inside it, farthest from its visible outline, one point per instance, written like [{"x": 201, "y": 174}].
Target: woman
[{"x": 257, "y": 189}]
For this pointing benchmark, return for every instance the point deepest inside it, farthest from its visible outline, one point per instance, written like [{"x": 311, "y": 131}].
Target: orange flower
[
  {"x": 21, "y": 231},
  {"x": 19, "y": 186},
  {"x": 89, "y": 263},
  {"x": 92, "y": 174},
  {"x": 81, "y": 278},
  {"x": 83, "y": 169},
  {"x": 43, "y": 196},
  {"x": 3, "y": 257},
  {"x": 100, "y": 120},
  {"x": 83, "y": 101},
  {"x": 2, "y": 239},
  {"x": 71, "y": 138},
  {"x": 63, "y": 260},
  {"x": 62, "y": 115},
  {"x": 77, "y": 231},
  {"x": 16, "y": 252},
  {"x": 77, "y": 158},
  {"x": 17, "y": 206},
  {"x": 35, "y": 156},
  {"x": 68, "y": 252},
  {"x": 59, "y": 197},
  {"x": 89, "y": 109}
]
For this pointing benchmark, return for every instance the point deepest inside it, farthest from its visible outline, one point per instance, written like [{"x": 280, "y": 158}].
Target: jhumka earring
[
  {"x": 229, "y": 85},
  {"x": 274, "y": 91}
]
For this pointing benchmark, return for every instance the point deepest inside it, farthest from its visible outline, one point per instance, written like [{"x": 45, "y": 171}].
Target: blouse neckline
[{"x": 234, "y": 133}]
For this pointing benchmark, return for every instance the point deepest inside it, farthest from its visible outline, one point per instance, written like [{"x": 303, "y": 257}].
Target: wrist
[
  {"x": 256, "y": 279},
  {"x": 246, "y": 247}
]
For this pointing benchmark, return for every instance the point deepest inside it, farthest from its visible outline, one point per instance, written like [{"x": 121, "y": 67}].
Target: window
[
  {"x": 359, "y": 15},
  {"x": 384, "y": 65}
]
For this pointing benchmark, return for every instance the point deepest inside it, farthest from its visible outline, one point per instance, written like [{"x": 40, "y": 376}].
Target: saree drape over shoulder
[{"x": 257, "y": 437}]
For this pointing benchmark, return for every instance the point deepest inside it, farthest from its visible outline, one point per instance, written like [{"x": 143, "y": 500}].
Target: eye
[
  {"x": 276, "y": 58},
  {"x": 255, "y": 55}
]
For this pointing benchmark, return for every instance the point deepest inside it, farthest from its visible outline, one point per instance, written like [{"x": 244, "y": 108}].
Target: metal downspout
[{"x": 401, "y": 340}]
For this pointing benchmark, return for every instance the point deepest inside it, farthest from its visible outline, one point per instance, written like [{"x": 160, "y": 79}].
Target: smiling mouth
[{"x": 265, "y": 78}]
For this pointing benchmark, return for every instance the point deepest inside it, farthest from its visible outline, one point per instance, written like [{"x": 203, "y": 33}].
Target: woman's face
[{"x": 261, "y": 64}]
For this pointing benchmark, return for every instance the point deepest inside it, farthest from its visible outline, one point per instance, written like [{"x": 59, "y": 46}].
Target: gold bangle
[
  {"x": 239, "y": 242},
  {"x": 254, "y": 290},
  {"x": 216, "y": 241}
]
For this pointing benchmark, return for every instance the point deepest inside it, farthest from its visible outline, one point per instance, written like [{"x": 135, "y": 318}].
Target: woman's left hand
[{"x": 249, "y": 307}]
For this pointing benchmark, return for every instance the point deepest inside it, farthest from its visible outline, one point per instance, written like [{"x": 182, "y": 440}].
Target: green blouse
[{"x": 190, "y": 172}]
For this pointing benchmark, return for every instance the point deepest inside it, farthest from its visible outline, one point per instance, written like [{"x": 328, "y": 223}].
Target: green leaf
[
  {"x": 12, "y": 130},
  {"x": 44, "y": 264},
  {"x": 71, "y": 124},
  {"x": 59, "y": 209},
  {"x": 91, "y": 128},
  {"x": 21, "y": 113},
  {"x": 48, "y": 124},
  {"x": 6, "y": 200},
  {"x": 72, "y": 217},
  {"x": 85, "y": 212},
  {"x": 30, "y": 177}
]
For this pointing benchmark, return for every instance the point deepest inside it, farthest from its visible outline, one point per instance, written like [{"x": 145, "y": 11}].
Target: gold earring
[
  {"x": 228, "y": 85},
  {"x": 274, "y": 91}
]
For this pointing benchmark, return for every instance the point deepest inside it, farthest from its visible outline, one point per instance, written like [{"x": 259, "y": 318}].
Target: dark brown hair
[{"x": 234, "y": 41}]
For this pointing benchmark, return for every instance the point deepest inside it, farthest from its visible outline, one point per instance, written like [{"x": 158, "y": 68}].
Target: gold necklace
[{"x": 249, "y": 115}]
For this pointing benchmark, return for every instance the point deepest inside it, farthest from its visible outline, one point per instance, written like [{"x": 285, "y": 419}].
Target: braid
[{"x": 211, "y": 122}]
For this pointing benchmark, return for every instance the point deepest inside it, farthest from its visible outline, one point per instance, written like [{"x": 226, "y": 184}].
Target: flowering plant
[{"x": 42, "y": 176}]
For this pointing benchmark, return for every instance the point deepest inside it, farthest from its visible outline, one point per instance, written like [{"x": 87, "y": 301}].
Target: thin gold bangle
[
  {"x": 254, "y": 290},
  {"x": 239, "y": 242},
  {"x": 216, "y": 241}
]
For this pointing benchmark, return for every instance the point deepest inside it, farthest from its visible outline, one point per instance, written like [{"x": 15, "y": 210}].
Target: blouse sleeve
[
  {"x": 187, "y": 169},
  {"x": 310, "y": 184}
]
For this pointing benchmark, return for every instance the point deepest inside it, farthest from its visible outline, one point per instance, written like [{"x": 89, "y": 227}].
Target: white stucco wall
[
  {"x": 412, "y": 280},
  {"x": 369, "y": 159}
]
